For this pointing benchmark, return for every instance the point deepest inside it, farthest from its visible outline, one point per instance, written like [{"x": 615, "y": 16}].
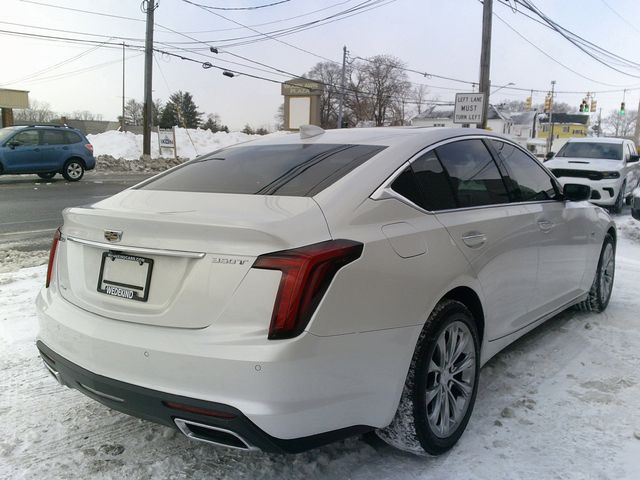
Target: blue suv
[{"x": 45, "y": 151}]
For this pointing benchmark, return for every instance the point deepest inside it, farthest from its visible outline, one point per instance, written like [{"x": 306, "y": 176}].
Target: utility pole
[
  {"x": 600, "y": 123},
  {"x": 551, "y": 124},
  {"x": 148, "y": 70},
  {"x": 344, "y": 67},
  {"x": 485, "y": 59},
  {"x": 636, "y": 134},
  {"x": 122, "y": 118}
]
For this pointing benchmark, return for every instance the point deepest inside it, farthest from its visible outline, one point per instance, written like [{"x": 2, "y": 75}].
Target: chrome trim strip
[
  {"x": 384, "y": 191},
  {"x": 101, "y": 394},
  {"x": 183, "y": 426},
  {"x": 142, "y": 250}
]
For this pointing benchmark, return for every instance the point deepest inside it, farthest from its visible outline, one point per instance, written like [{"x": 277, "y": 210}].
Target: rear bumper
[
  {"x": 236, "y": 430},
  {"x": 309, "y": 386}
]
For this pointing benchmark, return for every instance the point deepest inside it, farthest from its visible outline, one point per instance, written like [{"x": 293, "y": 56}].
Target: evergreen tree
[
  {"x": 248, "y": 130},
  {"x": 180, "y": 110}
]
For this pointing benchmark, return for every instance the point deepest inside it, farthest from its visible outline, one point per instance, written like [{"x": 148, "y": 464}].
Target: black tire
[
  {"x": 411, "y": 429},
  {"x": 73, "y": 170},
  {"x": 635, "y": 213},
  {"x": 47, "y": 175},
  {"x": 602, "y": 285},
  {"x": 617, "y": 207}
]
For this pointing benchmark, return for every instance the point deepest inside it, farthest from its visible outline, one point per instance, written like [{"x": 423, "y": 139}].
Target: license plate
[{"x": 125, "y": 276}]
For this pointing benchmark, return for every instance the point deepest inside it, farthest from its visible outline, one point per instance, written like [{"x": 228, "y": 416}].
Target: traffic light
[
  {"x": 528, "y": 103},
  {"x": 594, "y": 105},
  {"x": 547, "y": 103},
  {"x": 622, "y": 108},
  {"x": 584, "y": 106}
]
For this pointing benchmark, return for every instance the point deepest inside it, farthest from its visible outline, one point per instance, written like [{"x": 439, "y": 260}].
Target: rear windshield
[
  {"x": 608, "y": 151},
  {"x": 288, "y": 170}
]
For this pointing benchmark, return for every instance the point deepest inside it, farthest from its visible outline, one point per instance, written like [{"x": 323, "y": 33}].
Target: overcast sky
[{"x": 440, "y": 37}]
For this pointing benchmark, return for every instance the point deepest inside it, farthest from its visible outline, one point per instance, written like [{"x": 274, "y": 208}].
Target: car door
[
  {"x": 495, "y": 235},
  {"x": 23, "y": 152},
  {"x": 53, "y": 148},
  {"x": 562, "y": 231}
]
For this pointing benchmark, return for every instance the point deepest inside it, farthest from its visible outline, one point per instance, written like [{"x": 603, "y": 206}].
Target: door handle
[
  {"x": 545, "y": 225},
  {"x": 474, "y": 239},
  {"x": 36, "y": 149},
  {"x": 65, "y": 148}
]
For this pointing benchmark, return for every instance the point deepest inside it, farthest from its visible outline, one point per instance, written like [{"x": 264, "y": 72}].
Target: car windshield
[
  {"x": 6, "y": 133},
  {"x": 601, "y": 150},
  {"x": 289, "y": 170}
]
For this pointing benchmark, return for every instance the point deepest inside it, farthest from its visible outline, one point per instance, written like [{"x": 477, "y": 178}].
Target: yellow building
[{"x": 565, "y": 125}]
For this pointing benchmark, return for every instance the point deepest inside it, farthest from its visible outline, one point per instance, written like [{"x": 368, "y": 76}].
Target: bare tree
[
  {"x": 420, "y": 96},
  {"x": 620, "y": 125},
  {"x": 329, "y": 74},
  {"x": 38, "y": 112},
  {"x": 83, "y": 115},
  {"x": 279, "y": 116},
  {"x": 381, "y": 88},
  {"x": 133, "y": 112}
]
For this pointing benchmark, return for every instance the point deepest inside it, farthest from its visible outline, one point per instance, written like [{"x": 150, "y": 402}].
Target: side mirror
[
  {"x": 13, "y": 144},
  {"x": 633, "y": 158},
  {"x": 574, "y": 192},
  {"x": 549, "y": 155}
]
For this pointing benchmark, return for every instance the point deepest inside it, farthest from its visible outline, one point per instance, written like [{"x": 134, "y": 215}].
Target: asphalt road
[{"x": 31, "y": 208}]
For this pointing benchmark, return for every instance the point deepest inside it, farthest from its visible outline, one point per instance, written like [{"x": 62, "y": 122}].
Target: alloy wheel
[
  {"x": 74, "y": 170},
  {"x": 450, "y": 379},
  {"x": 606, "y": 272}
]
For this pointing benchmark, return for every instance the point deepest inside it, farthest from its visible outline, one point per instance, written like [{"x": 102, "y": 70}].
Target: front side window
[
  {"x": 27, "y": 138},
  {"x": 473, "y": 174},
  {"x": 595, "y": 150},
  {"x": 289, "y": 170},
  {"x": 527, "y": 180}
]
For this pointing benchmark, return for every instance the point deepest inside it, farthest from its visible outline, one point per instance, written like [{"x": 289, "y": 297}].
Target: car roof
[
  {"x": 597, "y": 140},
  {"x": 385, "y": 136}
]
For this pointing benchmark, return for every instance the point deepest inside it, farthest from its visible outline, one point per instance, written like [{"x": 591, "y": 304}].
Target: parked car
[
  {"x": 608, "y": 165},
  {"x": 45, "y": 151},
  {"x": 291, "y": 291},
  {"x": 635, "y": 204}
]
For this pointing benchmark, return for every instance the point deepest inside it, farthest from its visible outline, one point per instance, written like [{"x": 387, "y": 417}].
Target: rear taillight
[
  {"x": 307, "y": 273},
  {"x": 52, "y": 256},
  {"x": 89, "y": 147}
]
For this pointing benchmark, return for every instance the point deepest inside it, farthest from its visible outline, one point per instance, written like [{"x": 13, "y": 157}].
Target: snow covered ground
[
  {"x": 563, "y": 402},
  {"x": 191, "y": 143}
]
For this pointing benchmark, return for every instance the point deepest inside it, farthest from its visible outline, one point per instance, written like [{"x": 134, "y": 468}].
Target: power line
[
  {"x": 257, "y": 7},
  {"x": 621, "y": 17},
  {"x": 82, "y": 11}
]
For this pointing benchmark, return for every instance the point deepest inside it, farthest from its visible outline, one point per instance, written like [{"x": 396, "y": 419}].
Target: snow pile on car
[{"x": 190, "y": 143}]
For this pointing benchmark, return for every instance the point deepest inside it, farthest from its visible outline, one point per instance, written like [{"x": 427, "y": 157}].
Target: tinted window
[
  {"x": 72, "y": 137},
  {"x": 527, "y": 180},
  {"x": 289, "y": 170},
  {"x": 53, "y": 137},
  {"x": 474, "y": 176},
  {"x": 28, "y": 137},
  {"x": 434, "y": 184},
  {"x": 405, "y": 184},
  {"x": 608, "y": 151}
]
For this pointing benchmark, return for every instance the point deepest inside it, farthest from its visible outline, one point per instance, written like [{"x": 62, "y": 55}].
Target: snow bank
[
  {"x": 563, "y": 402},
  {"x": 191, "y": 143}
]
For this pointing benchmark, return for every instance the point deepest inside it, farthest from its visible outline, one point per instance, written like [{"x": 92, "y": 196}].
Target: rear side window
[
  {"x": 528, "y": 181},
  {"x": 473, "y": 174},
  {"x": 53, "y": 137},
  {"x": 71, "y": 137},
  {"x": 288, "y": 170}
]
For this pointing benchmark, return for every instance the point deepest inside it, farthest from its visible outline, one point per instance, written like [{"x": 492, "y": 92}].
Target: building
[
  {"x": 565, "y": 126},
  {"x": 498, "y": 121},
  {"x": 10, "y": 99}
]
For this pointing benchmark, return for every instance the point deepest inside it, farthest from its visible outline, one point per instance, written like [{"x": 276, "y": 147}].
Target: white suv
[
  {"x": 608, "y": 165},
  {"x": 295, "y": 290}
]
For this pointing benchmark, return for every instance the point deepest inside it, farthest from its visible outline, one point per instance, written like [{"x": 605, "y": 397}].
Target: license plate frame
[{"x": 119, "y": 289}]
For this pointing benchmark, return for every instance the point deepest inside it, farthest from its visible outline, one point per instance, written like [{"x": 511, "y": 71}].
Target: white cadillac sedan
[{"x": 292, "y": 291}]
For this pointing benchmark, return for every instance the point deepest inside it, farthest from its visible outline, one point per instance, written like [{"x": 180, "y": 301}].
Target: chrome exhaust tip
[{"x": 214, "y": 435}]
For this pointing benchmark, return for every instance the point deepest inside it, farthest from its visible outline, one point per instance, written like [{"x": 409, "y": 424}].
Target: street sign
[{"x": 468, "y": 108}]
